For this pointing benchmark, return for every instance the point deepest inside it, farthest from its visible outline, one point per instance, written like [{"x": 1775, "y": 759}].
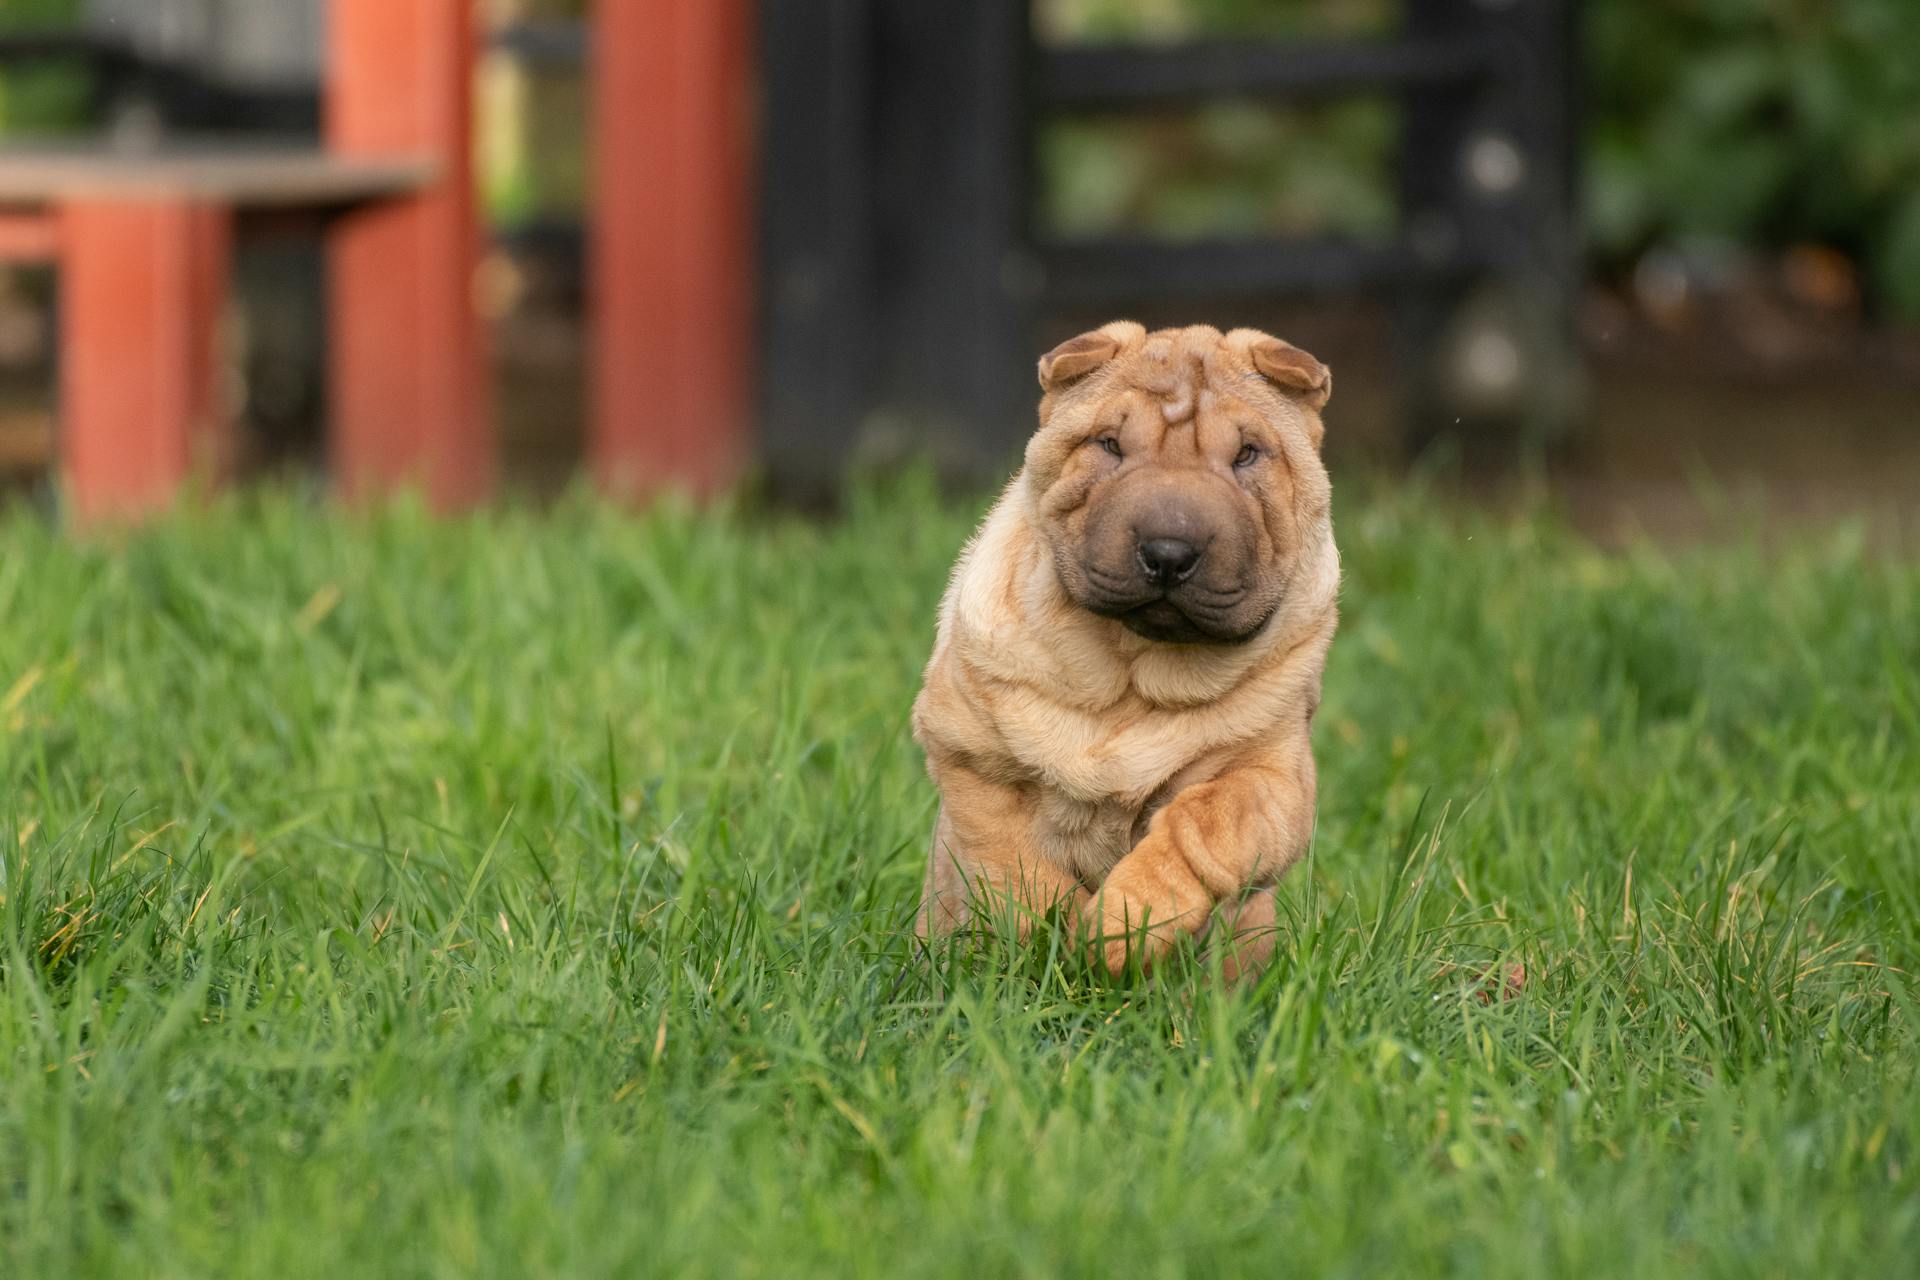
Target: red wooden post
[
  {"x": 409, "y": 366},
  {"x": 144, "y": 285},
  {"x": 29, "y": 237},
  {"x": 671, "y": 249}
]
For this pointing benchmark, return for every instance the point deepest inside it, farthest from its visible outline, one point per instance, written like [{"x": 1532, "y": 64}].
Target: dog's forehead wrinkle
[
  {"x": 1179, "y": 407},
  {"x": 1174, "y": 376},
  {"x": 1156, "y": 378}
]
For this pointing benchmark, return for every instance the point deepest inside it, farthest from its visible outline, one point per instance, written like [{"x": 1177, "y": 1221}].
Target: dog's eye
[
  {"x": 1246, "y": 457},
  {"x": 1111, "y": 444}
]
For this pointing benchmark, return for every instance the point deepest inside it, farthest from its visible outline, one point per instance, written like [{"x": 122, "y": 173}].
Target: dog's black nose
[{"x": 1168, "y": 560}]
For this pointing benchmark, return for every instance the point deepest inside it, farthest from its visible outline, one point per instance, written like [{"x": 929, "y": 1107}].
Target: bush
[{"x": 1760, "y": 122}]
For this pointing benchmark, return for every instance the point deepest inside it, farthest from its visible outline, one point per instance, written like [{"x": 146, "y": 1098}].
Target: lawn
[{"x": 528, "y": 895}]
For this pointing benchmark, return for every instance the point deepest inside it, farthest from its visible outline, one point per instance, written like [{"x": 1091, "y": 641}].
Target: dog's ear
[
  {"x": 1293, "y": 371},
  {"x": 1077, "y": 357}
]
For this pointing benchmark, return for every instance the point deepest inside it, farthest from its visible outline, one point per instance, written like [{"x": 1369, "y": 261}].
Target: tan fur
[{"x": 1129, "y": 779}]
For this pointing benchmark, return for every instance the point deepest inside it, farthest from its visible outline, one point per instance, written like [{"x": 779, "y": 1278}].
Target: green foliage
[
  {"x": 17, "y": 14},
  {"x": 41, "y": 99},
  {"x": 529, "y": 895},
  {"x": 1228, "y": 169},
  {"x": 1175, "y": 19},
  {"x": 1765, "y": 122}
]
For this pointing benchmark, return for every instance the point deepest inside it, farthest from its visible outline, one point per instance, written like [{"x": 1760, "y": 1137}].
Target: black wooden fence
[{"x": 904, "y": 273}]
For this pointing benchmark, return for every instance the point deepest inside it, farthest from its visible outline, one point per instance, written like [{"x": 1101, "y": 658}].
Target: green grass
[{"x": 528, "y": 895}]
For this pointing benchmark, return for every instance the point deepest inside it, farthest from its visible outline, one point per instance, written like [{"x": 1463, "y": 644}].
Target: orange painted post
[
  {"x": 671, "y": 251},
  {"x": 144, "y": 285},
  {"x": 29, "y": 237},
  {"x": 410, "y": 382}
]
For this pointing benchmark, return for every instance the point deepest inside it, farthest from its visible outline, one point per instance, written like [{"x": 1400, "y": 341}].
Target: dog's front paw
[{"x": 1148, "y": 901}]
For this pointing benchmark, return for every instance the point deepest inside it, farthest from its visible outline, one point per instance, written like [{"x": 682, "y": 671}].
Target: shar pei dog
[{"x": 1117, "y": 712}]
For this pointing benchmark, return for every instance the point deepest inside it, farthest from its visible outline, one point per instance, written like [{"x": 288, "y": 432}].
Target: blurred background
[{"x": 1661, "y": 256}]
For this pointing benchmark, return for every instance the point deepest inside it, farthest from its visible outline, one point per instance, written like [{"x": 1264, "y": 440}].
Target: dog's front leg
[
  {"x": 1213, "y": 841},
  {"x": 986, "y": 860}
]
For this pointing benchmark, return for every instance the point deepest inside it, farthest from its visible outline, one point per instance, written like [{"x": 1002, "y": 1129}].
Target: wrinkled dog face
[{"x": 1175, "y": 475}]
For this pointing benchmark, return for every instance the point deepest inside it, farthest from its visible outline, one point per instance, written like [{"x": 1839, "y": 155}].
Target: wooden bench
[
  {"x": 143, "y": 244},
  {"x": 144, "y": 249}
]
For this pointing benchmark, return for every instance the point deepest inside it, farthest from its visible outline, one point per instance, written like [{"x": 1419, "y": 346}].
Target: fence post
[
  {"x": 1487, "y": 178},
  {"x": 817, "y": 236},
  {"x": 144, "y": 287},
  {"x": 409, "y": 375},
  {"x": 964, "y": 283},
  {"x": 670, "y": 245}
]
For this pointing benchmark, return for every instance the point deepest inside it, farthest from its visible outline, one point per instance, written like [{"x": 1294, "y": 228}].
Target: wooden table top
[{"x": 242, "y": 174}]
